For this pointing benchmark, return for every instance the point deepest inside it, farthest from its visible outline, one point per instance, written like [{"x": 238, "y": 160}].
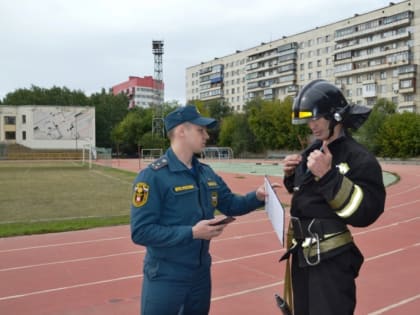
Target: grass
[{"x": 42, "y": 197}]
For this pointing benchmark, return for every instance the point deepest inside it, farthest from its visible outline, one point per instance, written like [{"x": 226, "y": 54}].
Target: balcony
[
  {"x": 384, "y": 66},
  {"x": 374, "y": 30},
  {"x": 377, "y": 42},
  {"x": 407, "y": 107}
]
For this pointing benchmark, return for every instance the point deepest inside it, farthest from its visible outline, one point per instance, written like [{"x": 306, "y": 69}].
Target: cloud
[{"x": 93, "y": 44}]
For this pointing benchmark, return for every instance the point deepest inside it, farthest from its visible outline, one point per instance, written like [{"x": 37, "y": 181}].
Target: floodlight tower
[{"x": 157, "y": 122}]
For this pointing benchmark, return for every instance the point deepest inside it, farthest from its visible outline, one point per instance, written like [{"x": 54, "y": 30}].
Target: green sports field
[
  {"x": 38, "y": 197},
  {"x": 42, "y": 196}
]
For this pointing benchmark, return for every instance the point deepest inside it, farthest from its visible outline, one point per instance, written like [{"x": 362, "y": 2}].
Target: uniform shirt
[
  {"x": 169, "y": 199},
  {"x": 352, "y": 191}
]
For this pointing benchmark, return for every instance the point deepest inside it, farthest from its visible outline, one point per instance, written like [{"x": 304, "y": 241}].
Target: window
[
  {"x": 23, "y": 119},
  {"x": 9, "y": 120},
  {"x": 23, "y": 135},
  {"x": 408, "y": 98},
  {"x": 406, "y": 84},
  {"x": 383, "y": 75},
  {"x": 10, "y": 135}
]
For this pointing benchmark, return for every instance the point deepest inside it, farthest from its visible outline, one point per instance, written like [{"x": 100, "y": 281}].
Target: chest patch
[
  {"x": 343, "y": 168},
  {"x": 140, "y": 195}
]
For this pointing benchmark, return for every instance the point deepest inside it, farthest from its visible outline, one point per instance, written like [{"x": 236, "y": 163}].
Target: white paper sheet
[{"x": 275, "y": 210}]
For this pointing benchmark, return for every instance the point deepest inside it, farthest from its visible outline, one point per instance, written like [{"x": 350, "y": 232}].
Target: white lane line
[
  {"x": 81, "y": 285},
  {"x": 72, "y": 261},
  {"x": 215, "y": 240},
  {"x": 121, "y": 279},
  {"x": 402, "y": 205},
  {"x": 405, "y": 191},
  {"x": 141, "y": 275},
  {"x": 248, "y": 256},
  {"x": 383, "y": 227},
  {"x": 395, "y": 305},
  {"x": 222, "y": 297},
  {"x": 238, "y": 237},
  {"x": 63, "y": 244}
]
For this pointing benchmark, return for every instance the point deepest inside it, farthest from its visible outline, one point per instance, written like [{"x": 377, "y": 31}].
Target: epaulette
[{"x": 159, "y": 163}]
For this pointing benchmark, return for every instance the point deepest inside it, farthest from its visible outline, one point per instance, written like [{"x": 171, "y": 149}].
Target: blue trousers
[{"x": 171, "y": 289}]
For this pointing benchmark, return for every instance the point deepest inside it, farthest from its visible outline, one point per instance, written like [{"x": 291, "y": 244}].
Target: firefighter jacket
[{"x": 352, "y": 191}]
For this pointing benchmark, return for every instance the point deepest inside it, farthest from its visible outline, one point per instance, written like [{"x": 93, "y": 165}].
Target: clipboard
[{"x": 275, "y": 210}]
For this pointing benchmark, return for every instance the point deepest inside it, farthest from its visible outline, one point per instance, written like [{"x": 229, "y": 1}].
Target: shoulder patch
[
  {"x": 140, "y": 194},
  {"x": 159, "y": 163}
]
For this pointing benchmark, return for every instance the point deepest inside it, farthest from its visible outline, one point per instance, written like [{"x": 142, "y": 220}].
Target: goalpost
[
  {"x": 87, "y": 154},
  {"x": 221, "y": 153},
  {"x": 150, "y": 154}
]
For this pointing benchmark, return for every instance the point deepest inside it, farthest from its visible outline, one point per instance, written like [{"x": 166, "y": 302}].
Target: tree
[
  {"x": 270, "y": 122},
  {"x": 135, "y": 124},
  {"x": 235, "y": 133},
  {"x": 369, "y": 133},
  {"x": 40, "y": 96},
  {"x": 109, "y": 111},
  {"x": 400, "y": 135}
]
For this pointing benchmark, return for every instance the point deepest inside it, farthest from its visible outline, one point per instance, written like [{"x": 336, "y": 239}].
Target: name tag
[{"x": 183, "y": 188}]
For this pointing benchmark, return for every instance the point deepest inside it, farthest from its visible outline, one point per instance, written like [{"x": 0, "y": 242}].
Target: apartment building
[
  {"x": 142, "y": 92},
  {"x": 368, "y": 56}
]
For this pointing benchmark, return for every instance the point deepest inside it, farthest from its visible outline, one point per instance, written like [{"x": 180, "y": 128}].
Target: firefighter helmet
[{"x": 318, "y": 99}]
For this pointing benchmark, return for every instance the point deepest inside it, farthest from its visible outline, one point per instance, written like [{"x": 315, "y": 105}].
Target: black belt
[{"x": 304, "y": 228}]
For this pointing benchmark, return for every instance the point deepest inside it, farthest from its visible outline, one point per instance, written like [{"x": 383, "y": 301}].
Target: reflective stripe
[
  {"x": 329, "y": 244},
  {"x": 353, "y": 204},
  {"x": 343, "y": 194},
  {"x": 302, "y": 115}
]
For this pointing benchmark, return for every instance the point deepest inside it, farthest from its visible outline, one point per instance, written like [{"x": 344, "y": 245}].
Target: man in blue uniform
[
  {"x": 172, "y": 214},
  {"x": 335, "y": 182}
]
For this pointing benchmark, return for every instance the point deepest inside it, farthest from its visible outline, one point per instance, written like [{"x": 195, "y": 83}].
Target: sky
[{"x": 89, "y": 45}]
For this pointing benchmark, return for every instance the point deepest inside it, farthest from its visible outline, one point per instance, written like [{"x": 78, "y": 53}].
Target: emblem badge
[{"x": 140, "y": 195}]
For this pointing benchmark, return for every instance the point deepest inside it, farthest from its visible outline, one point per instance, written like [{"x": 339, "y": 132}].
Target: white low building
[{"x": 48, "y": 127}]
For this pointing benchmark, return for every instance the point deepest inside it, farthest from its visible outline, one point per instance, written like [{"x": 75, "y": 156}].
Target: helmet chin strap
[{"x": 331, "y": 127}]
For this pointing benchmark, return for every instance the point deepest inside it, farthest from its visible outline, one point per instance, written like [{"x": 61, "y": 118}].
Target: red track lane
[{"x": 99, "y": 271}]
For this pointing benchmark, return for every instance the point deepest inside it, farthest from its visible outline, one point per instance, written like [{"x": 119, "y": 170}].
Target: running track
[{"x": 99, "y": 271}]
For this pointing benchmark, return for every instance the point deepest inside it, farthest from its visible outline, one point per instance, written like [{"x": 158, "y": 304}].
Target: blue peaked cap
[{"x": 188, "y": 113}]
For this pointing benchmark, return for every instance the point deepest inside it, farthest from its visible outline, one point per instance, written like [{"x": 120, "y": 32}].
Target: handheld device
[{"x": 225, "y": 220}]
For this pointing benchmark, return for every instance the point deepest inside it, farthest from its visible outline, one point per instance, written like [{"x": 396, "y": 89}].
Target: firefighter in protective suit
[{"x": 335, "y": 182}]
